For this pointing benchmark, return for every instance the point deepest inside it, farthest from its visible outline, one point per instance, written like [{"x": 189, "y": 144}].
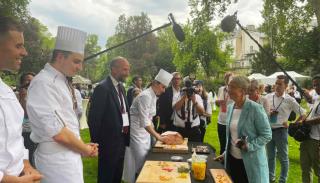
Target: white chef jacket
[
  {"x": 142, "y": 110},
  {"x": 284, "y": 104},
  {"x": 12, "y": 150},
  {"x": 47, "y": 93}
]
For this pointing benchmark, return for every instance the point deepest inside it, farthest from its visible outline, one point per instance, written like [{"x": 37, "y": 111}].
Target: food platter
[
  {"x": 220, "y": 176},
  {"x": 164, "y": 171},
  {"x": 161, "y": 147}
]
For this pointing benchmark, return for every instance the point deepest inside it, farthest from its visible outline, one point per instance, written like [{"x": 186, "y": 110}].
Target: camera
[{"x": 189, "y": 89}]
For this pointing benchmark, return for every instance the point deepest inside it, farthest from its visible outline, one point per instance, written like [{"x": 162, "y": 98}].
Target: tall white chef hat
[
  {"x": 70, "y": 39},
  {"x": 164, "y": 77}
]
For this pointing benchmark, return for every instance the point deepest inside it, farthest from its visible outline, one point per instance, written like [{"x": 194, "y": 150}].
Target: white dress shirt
[
  {"x": 125, "y": 117},
  {"x": 194, "y": 121},
  {"x": 284, "y": 104},
  {"x": 235, "y": 151},
  {"x": 315, "y": 113},
  {"x": 12, "y": 150},
  {"x": 49, "y": 93},
  {"x": 223, "y": 95}
]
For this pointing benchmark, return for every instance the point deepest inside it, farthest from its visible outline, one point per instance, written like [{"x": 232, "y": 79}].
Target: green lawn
[{"x": 90, "y": 165}]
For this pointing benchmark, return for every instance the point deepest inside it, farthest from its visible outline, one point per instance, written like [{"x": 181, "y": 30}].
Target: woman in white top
[{"x": 248, "y": 131}]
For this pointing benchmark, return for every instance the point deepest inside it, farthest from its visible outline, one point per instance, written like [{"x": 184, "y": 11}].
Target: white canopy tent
[{"x": 295, "y": 76}]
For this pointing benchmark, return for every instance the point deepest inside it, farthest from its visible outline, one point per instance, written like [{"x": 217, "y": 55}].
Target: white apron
[
  {"x": 65, "y": 165},
  {"x": 140, "y": 140}
]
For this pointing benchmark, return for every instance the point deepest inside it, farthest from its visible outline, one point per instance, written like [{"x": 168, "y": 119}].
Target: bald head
[{"x": 120, "y": 68}]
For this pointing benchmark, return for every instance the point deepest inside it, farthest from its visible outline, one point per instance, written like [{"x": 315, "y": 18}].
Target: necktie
[
  {"x": 121, "y": 98},
  {"x": 125, "y": 129}
]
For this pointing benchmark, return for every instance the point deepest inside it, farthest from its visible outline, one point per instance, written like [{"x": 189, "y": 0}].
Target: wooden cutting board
[
  {"x": 163, "y": 172},
  {"x": 220, "y": 176},
  {"x": 161, "y": 147}
]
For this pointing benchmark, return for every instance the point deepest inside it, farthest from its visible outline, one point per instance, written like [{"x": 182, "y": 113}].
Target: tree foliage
[{"x": 288, "y": 25}]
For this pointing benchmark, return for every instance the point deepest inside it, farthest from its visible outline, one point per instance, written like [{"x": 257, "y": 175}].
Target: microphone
[
  {"x": 228, "y": 24},
  {"x": 177, "y": 30}
]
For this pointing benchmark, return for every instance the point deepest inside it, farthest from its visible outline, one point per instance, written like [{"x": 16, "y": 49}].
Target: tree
[
  {"x": 90, "y": 69},
  {"x": 261, "y": 63},
  {"x": 287, "y": 24},
  {"x": 141, "y": 52},
  {"x": 38, "y": 40}
]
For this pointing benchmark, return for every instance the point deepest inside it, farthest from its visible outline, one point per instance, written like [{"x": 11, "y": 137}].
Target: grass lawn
[{"x": 211, "y": 137}]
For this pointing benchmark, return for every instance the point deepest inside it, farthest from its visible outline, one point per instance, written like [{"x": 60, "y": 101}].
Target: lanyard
[{"x": 274, "y": 107}]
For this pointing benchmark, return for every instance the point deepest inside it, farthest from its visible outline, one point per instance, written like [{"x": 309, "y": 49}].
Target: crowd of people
[{"x": 40, "y": 131}]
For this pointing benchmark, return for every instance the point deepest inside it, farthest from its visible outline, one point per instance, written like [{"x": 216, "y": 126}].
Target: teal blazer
[{"x": 254, "y": 123}]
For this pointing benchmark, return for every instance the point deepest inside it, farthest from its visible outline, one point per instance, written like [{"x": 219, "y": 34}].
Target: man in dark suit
[
  {"x": 165, "y": 103},
  {"x": 109, "y": 122},
  {"x": 136, "y": 83}
]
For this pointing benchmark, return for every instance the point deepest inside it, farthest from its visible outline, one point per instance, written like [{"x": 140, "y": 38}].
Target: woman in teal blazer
[{"x": 248, "y": 121}]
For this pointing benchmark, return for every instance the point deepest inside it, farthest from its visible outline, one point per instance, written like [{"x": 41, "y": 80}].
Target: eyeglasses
[{"x": 177, "y": 78}]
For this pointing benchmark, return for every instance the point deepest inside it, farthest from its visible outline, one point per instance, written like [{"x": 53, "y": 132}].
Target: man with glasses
[{"x": 165, "y": 103}]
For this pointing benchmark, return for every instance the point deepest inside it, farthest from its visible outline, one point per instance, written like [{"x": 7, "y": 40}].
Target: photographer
[{"x": 187, "y": 108}]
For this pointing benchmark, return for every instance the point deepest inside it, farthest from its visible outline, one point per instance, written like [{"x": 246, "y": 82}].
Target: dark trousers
[
  {"x": 202, "y": 129},
  {"x": 110, "y": 162},
  {"x": 237, "y": 170},
  {"x": 222, "y": 137},
  {"x": 30, "y": 145},
  {"x": 193, "y": 134}
]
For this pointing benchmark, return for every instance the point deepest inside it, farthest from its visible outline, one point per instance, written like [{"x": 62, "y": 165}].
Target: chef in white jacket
[
  {"x": 52, "y": 106},
  {"x": 14, "y": 164},
  {"x": 142, "y": 110}
]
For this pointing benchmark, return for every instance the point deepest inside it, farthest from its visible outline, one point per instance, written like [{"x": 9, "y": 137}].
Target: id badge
[
  {"x": 125, "y": 119},
  {"x": 273, "y": 117}
]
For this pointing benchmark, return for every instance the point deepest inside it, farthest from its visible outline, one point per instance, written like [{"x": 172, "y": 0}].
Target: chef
[
  {"x": 52, "y": 107},
  {"x": 142, "y": 110},
  {"x": 14, "y": 164}
]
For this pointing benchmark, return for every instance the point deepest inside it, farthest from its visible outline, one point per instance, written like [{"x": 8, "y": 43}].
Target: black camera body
[{"x": 189, "y": 89}]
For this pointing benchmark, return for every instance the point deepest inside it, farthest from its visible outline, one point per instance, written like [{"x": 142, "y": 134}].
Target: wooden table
[{"x": 211, "y": 164}]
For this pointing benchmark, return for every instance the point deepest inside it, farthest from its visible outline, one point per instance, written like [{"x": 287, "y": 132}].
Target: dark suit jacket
[
  {"x": 130, "y": 95},
  {"x": 105, "y": 118},
  {"x": 165, "y": 107}
]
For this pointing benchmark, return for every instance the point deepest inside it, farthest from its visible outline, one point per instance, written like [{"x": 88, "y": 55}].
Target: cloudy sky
[{"x": 100, "y": 16}]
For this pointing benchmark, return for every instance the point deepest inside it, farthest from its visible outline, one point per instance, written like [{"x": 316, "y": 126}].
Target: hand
[
  {"x": 29, "y": 170},
  {"x": 285, "y": 124},
  {"x": 219, "y": 158},
  {"x": 95, "y": 149},
  {"x": 29, "y": 179},
  {"x": 91, "y": 150},
  {"x": 193, "y": 98}
]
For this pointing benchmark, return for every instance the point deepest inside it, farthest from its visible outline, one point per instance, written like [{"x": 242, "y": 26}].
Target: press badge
[
  {"x": 274, "y": 116},
  {"x": 125, "y": 119}
]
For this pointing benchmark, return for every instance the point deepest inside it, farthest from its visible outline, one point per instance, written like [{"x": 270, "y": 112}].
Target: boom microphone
[
  {"x": 177, "y": 30},
  {"x": 228, "y": 24}
]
